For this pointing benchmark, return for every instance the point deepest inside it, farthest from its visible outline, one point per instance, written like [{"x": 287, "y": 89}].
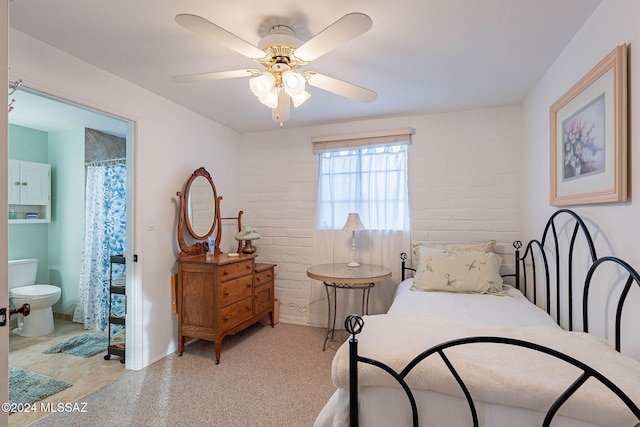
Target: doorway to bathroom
[{"x": 72, "y": 139}]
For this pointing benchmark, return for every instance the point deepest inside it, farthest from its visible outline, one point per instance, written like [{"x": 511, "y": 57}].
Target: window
[{"x": 370, "y": 180}]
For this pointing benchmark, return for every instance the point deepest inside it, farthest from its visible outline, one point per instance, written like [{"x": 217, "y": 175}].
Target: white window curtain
[{"x": 372, "y": 181}]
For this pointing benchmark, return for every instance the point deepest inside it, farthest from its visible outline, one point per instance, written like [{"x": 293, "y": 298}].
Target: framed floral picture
[{"x": 589, "y": 136}]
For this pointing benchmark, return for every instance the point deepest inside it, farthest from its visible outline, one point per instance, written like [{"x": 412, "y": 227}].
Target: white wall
[
  {"x": 464, "y": 179},
  {"x": 613, "y": 23},
  {"x": 171, "y": 142}
]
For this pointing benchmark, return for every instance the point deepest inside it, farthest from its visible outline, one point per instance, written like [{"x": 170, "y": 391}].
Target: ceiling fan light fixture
[
  {"x": 271, "y": 98},
  {"x": 294, "y": 83},
  {"x": 298, "y": 100},
  {"x": 262, "y": 84},
  {"x": 281, "y": 53}
]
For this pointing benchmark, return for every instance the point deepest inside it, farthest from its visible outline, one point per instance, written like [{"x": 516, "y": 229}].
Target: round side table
[{"x": 340, "y": 276}]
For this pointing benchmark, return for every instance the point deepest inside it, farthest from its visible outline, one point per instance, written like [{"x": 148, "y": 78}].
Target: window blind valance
[{"x": 322, "y": 144}]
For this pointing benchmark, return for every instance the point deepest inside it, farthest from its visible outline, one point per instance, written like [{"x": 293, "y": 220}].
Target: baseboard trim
[{"x": 63, "y": 316}]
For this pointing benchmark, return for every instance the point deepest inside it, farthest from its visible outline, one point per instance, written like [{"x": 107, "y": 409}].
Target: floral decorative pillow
[
  {"x": 456, "y": 271},
  {"x": 489, "y": 246}
]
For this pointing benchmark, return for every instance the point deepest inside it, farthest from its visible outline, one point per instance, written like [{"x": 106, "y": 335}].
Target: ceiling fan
[{"x": 281, "y": 54}]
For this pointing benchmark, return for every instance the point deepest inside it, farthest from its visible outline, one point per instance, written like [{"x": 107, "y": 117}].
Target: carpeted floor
[{"x": 266, "y": 377}]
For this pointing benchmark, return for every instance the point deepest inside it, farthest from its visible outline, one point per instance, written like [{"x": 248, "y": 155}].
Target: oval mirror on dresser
[
  {"x": 199, "y": 214},
  {"x": 201, "y": 217}
]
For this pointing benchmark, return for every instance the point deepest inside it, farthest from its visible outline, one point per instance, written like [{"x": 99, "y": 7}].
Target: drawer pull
[
  {"x": 226, "y": 293},
  {"x": 226, "y": 318}
]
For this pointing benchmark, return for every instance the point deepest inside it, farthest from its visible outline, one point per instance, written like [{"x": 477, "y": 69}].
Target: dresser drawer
[
  {"x": 264, "y": 278},
  {"x": 235, "y": 289},
  {"x": 264, "y": 299},
  {"x": 236, "y": 269},
  {"x": 235, "y": 313}
]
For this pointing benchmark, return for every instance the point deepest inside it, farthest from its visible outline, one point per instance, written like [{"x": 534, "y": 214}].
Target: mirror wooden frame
[{"x": 199, "y": 247}]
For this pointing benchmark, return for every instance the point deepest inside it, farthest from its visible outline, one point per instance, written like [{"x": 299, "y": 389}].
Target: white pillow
[
  {"x": 489, "y": 246},
  {"x": 456, "y": 271}
]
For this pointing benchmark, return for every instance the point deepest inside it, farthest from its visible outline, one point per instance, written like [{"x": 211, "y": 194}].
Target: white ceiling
[{"x": 420, "y": 56}]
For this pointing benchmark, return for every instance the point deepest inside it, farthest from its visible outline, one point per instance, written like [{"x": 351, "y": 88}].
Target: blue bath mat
[
  {"x": 85, "y": 345},
  {"x": 26, "y": 387}
]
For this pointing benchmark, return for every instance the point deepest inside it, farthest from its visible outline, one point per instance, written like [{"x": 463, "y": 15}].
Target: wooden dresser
[{"x": 221, "y": 296}]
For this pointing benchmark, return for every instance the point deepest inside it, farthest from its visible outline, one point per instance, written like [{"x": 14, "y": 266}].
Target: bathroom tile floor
[{"x": 86, "y": 374}]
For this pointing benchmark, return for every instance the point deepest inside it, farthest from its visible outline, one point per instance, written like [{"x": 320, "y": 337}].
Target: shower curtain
[{"x": 105, "y": 232}]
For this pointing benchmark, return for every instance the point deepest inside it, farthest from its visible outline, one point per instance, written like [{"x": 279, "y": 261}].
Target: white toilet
[{"x": 22, "y": 276}]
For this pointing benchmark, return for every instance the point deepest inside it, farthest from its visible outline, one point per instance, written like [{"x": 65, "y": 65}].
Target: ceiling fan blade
[
  {"x": 206, "y": 28},
  {"x": 340, "y": 87},
  {"x": 344, "y": 29},
  {"x": 190, "y": 78}
]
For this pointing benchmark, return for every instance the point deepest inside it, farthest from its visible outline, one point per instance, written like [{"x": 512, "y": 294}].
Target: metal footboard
[{"x": 354, "y": 324}]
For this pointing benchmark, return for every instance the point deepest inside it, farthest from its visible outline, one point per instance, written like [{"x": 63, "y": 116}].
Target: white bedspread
[
  {"x": 496, "y": 373},
  {"x": 511, "y": 309}
]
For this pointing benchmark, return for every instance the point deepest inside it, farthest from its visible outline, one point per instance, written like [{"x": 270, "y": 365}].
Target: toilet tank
[{"x": 22, "y": 272}]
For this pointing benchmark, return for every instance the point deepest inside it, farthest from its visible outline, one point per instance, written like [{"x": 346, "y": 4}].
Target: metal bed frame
[{"x": 354, "y": 323}]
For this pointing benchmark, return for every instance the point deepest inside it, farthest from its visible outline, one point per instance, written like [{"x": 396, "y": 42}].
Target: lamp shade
[
  {"x": 262, "y": 84},
  {"x": 353, "y": 223},
  {"x": 271, "y": 98},
  {"x": 293, "y": 83},
  {"x": 298, "y": 100},
  {"x": 247, "y": 233}
]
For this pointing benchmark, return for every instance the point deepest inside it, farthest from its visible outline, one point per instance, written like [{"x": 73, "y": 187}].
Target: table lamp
[
  {"x": 353, "y": 224},
  {"x": 247, "y": 235}
]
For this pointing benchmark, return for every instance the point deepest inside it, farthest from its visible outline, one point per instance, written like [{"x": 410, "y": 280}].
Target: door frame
[
  {"x": 4, "y": 220},
  {"x": 134, "y": 323}
]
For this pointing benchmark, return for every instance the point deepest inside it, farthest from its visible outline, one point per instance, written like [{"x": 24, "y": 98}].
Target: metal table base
[{"x": 331, "y": 318}]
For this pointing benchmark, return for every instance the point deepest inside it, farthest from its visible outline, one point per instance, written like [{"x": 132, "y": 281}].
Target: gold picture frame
[{"x": 589, "y": 136}]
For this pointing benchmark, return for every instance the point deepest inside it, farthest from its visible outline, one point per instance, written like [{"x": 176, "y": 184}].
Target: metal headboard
[
  {"x": 550, "y": 239},
  {"x": 403, "y": 257},
  {"x": 632, "y": 277}
]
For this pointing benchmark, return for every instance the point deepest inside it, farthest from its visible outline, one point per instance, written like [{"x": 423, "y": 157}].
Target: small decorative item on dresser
[{"x": 247, "y": 235}]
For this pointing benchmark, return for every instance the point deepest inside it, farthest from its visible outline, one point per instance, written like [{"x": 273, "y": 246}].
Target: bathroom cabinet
[
  {"x": 117, "y": 286},
  {"x": 29, "y": 192}
]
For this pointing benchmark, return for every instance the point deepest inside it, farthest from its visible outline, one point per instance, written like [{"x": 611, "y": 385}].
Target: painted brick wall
[{"x": 464, "y": 181}]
